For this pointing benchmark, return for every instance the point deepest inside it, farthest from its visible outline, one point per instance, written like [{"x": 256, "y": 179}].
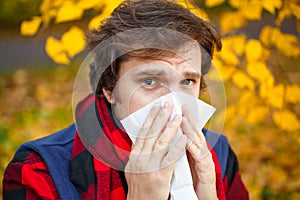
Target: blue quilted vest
[{"x": 56, "y": 150}]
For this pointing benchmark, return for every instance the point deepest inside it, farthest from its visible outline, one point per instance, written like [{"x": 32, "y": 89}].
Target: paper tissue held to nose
[{"x": 182, "y": 183}]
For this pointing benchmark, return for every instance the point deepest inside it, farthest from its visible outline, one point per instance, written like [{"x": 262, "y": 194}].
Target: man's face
[{"x": 143, "y": 80}]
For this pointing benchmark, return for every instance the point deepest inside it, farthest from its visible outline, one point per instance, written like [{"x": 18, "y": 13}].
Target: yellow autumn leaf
[
  {"x": 264, "y": 89},
  {"x": 57, "y": 3},
  {"x": 193, "y": 9},
  {"x": 55, "y": 51},
  {"x": 229, "y": 57},
  {"x": 266, "y": 54},
  {"x": 228, "y": 53},
  {"x": 295, "y": 10},
  {"x": 252, "y": 10},
  {"x": 212, "y": 3},
  {"x": 73, "y": 41},
  {"x": 231, "y": 113},
  {"x": 95, "y": 22},
  {"x": 257, "y": 114},
  {"x": 246, "y": 102},
  {"x": 111, "y": 5},
  {"x": 260, "y": 72},
  {"x": 283, "y": 13},
  {"x": 200, "y": 13},
  {"x": 243, "y": 81},
  {"x": 278, "y": 37},
  {"x": 49, "y": 9},
  {"x": 29, "y": 28},
  {"x": 235, "y": 43},
  {"x": 265, "y": 35},
  {"x": 293, "y": 52},
  {"x": 238, "y": 43},
  {"x": 271, "y": 5},
  {"x": 68, "y": 11},
  {"x": 288, "y": 46},
  {"x": 271, "y": 36},
  {"x": 87, "y": 4},
  {"x": 107, "y": 10},
  {"x": 285, "y": 43},
  {"x": 254, "y": 50},
  {"x": 232, "y": 21},
  {"x": 286, "y": 120},
  {"x": 225, "y": 71},
  {"x": 275, "y": 96},
  {"x": 236, "y": 3},
  {"x": 48, "y": 5},
  {"x": 45, "y": 6},
  {"x": 292, "y": 94}
]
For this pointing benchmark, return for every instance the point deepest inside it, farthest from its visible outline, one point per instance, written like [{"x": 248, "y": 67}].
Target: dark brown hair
[{"x": 132, "y": 14}]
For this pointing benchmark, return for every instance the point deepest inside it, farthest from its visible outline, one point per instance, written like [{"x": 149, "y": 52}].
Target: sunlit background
[{"x": 42, "y": 45}]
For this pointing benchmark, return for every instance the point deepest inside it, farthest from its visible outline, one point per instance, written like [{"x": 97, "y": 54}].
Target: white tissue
[{"x": 182, "y": 183}]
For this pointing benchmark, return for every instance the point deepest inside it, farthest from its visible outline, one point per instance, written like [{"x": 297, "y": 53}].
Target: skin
[{"x": 151, "y": 162}]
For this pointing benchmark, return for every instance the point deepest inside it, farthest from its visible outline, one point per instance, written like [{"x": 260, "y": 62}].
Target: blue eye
[
  {"x": 187, "y": 82},
  {"x": 149, "y": 82}
]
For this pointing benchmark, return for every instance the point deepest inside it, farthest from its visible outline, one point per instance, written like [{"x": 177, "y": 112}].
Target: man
[{"x": 144, "y": 50}]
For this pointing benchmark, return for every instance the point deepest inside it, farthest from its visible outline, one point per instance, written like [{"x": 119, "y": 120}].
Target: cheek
[
  {"x": 196, "y": 90},
  {"x": 135, "y": 103},
  {"x": 142, "y": 97}
]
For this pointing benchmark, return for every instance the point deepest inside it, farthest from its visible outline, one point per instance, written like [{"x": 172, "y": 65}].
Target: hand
[
  {"x": 151, "y": 163},
  {"x": 200, "y": 158}
]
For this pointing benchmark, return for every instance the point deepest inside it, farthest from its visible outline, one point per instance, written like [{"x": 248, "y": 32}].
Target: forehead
[{"x": 185, "y": 59}]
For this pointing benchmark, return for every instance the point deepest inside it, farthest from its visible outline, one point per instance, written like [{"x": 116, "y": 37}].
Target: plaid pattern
[{"x": 27, "y": 176}]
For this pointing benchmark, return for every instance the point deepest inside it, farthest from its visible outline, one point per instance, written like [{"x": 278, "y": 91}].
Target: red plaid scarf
[{"x": 91, "y": 176}]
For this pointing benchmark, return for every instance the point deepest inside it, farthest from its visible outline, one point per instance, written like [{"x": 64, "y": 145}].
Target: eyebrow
[
  {"x": 150, "y": 72},
  {"x": 161, "y": 72},
  {"x": 192, "y": 75}
]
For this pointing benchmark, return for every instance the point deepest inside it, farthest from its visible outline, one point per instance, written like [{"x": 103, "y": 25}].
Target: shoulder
[
  {"x": 62, "y": 139},
  {"x": 48, "y": 158},
  {"x": 215, "y": 138},
  {"x": 33, "y": 152},
  {"x": 55, "y": 149}
]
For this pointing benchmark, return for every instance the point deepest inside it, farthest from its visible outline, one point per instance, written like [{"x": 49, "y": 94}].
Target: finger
[
  {"x": 168, "y": 134},
  {"x": 162, "y": 144},
  {"x": 186, "y": 112},
  {"x": 157, "y": 127},
  {"x": 193, "y": 123},
  {"x": 199, "y": 154},
  {"x": 175, "y": 153},
  {"x": 139, "y": 142},
  {"x": 196, "y": 139},
  {"x": 189, "y": 131},
  {"x": 196, "y": 146}
]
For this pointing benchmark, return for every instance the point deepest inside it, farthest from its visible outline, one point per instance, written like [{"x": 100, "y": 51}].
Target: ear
[{"x": 108, "y": 96}]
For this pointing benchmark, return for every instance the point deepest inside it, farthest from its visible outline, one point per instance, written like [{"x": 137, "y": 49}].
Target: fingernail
[
  {"x": 167, "y": 104},
  {"x": 177, "y": 118}
]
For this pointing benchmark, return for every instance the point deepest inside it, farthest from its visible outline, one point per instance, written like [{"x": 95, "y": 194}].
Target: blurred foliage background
[{"x": 259, "y": 65}]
